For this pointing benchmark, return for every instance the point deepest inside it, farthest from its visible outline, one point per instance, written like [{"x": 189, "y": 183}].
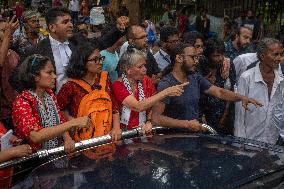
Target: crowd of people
[{"x": 65, "y": 86}]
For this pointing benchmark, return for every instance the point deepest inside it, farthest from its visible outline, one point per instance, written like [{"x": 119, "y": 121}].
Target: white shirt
[
  {"x": 277, "y": 120},
  {"x": 241, "y": 63},
  {"x": 61, "y": 53},
  {"x": 74, "y": 6},
  {"x": 162, "y": 59},
  {"x": 123, "y": 48},
  {"x": 256, "y": 123}
]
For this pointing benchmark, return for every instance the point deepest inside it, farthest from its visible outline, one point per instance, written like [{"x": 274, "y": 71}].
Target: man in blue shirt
[{"x": 183, "y": 111}]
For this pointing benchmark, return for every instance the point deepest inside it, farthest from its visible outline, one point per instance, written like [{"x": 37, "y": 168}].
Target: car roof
[{"x": 179, "y": 160}]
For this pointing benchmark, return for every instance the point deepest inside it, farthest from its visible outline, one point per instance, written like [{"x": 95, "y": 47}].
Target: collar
[
  {"x": 57, "y": 43},
  {"x": 258, "y": 77},
  {"x": 164, "y": 53}
]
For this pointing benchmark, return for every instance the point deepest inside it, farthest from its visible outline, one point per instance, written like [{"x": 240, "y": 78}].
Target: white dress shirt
[
  {"x": 241, "y": 63},
  {"x": 123, "y": 48},
  {"x": 162, "y": 59},
  {"x": 277, "y": 120},
  {"x": 256, "y": 123},
  {"x": 61, "y": 53}
]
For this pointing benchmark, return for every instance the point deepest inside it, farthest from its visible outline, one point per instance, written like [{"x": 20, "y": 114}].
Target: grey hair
[
  {"x": 130, "y": 58},
  {"x": 262, "y": 47}
]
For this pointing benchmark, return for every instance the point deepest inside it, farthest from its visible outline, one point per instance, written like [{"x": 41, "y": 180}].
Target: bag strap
[
  {"x": 252, "y": 65},
  {"x": 103, "y": 80},
  {"x": 82, "y": 84}
]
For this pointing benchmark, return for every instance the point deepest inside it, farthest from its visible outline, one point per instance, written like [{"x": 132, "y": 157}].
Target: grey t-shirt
[{"x": 186, "y": 106}]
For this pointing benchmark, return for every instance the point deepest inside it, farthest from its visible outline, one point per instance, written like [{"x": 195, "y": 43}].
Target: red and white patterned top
[{"x": 26, "y": 116}]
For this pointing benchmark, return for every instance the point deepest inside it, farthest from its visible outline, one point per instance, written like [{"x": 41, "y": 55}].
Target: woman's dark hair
[
  {"x": 214, "y": 45},
  {"x": 79, "y": 58},
  {"x": 191, "y": 37},
  {"x": 177, "y": 49},
  {"x": 30, "y": 68}
]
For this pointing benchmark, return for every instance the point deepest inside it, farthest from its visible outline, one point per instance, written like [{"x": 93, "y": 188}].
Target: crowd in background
[{"x": 78, "y": 76}]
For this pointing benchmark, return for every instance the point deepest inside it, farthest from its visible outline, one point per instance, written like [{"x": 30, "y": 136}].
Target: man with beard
[
  {"x": 168, "y": 37},
  {"x": 30, "y": 35},
  {"x": 239, "y": 43},
  {"x": 218, "y": 113},
  {"x": 183, "y": 111},
  {"x": 263, "y": 82}
]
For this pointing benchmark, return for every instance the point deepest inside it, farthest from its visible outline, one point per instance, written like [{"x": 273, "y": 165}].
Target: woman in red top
[
  {"x": 86, "y": 66},
  {"x": 134, "y": 91},
  {"x": 36, "y": 115}
]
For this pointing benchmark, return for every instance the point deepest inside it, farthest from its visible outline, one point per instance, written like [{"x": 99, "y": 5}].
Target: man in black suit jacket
[{"x": 58, "y": 47}]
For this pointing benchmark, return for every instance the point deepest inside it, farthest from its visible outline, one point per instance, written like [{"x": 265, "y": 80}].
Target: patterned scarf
[
  {"x": 125, "y": 116},
  {"x": 49, "y": 117}
]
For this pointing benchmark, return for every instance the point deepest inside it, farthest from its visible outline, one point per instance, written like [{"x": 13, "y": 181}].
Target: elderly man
[
  {"x": 30, "y": 35},
  {"x": 240, "y": 43},
  {"x": 264, "y": 82}
]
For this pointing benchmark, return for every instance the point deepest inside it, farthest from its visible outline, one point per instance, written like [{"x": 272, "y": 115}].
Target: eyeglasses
[
  {"x": 173, "y": 41},
  {"x": 278, "y": 54},
  {"x": 142, "y": 37},
  {"x": 199, "y": 46},
  {"x": 97, "y": 59},
  {"x": 34, "y": 21},
  {"x": 193, "y": 57}
]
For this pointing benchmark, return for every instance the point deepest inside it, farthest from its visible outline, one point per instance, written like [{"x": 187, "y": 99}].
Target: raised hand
[
  {"x": 11, "y": 25},
  {"x": 122, "y": 22}
]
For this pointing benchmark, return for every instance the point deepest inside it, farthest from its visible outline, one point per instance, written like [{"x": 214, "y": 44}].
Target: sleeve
[
  {"x": 24, "y": 119},
  {"x": 239, "y": 110},
  {"x": 65, "y": 96},
  {"x": 278, "y": 116},
  {"x": 119, "y": 91},
  {"x": 232, "y": 75},
  {"x": 238, "y": 66},
  {"x": 109, "y": 38},
  {"x": 115, "y": 108},
  {"x": 203, "y": 83},
  {"x": 162, "y": 86}
]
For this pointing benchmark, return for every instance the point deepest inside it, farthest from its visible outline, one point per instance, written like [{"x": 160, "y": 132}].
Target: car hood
[{"x": 163, "y": 162}]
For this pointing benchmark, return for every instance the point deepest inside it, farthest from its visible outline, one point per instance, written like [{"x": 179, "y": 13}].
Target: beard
[
  {"x": 187, "y": 69},
  {"x": 34, "y": 31}
]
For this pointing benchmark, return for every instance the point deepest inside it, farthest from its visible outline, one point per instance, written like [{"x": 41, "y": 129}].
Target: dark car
[{"x": 169, "y": 159}]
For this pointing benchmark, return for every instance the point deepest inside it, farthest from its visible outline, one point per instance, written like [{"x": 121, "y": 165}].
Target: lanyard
[{"x": 164, "y": 57}]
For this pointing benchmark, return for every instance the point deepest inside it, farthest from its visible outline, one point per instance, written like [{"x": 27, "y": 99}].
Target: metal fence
[{"x": 218, "y": 8}]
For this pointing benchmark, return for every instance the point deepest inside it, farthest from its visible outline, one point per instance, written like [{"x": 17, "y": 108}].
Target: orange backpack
[{"x": 96, "y": 104}]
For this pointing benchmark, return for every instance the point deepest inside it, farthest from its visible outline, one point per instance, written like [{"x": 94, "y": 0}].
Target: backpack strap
[
  {"x": 252, "y": 65},
  {"x": 82, "y": 84},
  {"x": 103, "y": 80}
]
